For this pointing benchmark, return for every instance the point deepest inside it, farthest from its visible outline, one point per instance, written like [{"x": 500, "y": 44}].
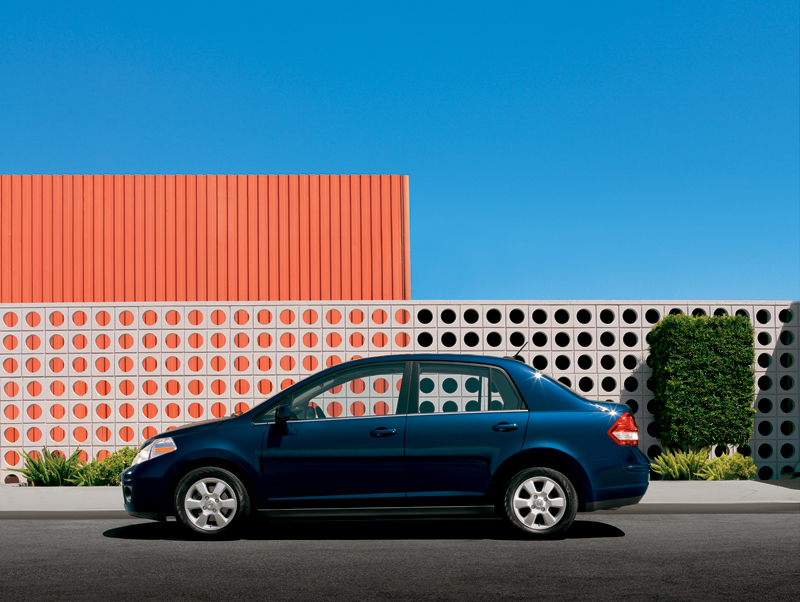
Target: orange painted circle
[
  {"x": 103, "y": 454},
  {"x": 150, "y": 410},
  {"x": 80, "y": 388},
  {"x": 241, "y": 386},
  {"x": 218, "y": 340},
  {"x": 103, "y": 388},
  {"x": 334, "y": 316},
  {"x": 287, "y": 316},
  {"x": 10, "y": 319},
  {"x": 264, "y": 340},
  {"x": 310, "y": 339},
  {"x": 149, "y": 387},
  {"x": 357, "y": 386},
  {"x": 402, "y": 339},
  {"x": 149, "y": 431},
  {"x": 357, "y": 408},
  {"x": 102, "y": 318},
  {"x": 195, "y": 317},
  {"x": 241, "y": 317},
  {"x": 172, "y": 387},
  {"x": 310, "y": 316},
  {"x": 218, "y": 387},
  {"x": 103, "y": 411},
  {"x": 11, "y": 434},
  {"x": 126, "y": 341},
  {"x": 79, "y": 341},
  {"x": 34, "y": 411},
  {"x": 149, "y": 340},
  {"x": 80, "y": 411},
  {"x": 33, "y": 319},
  {"x": 34, "y": 388},
  {"x": 12, "y": 458},
  {"x": 379, "y": 316},
  {"x": 264, "y": 363},
  {"x": 125, "y": 364},
  {"x": 218, "y": 410},
  {"x": 173, "y": 340},
  {"x": 11, "y": 389},
  {"x": 401, "y": 316},
  {"x": 241, "y": 340},
  {"x": 218, "y": 317},
  {"x": 381, "y": 408},
  {"x": 173, "y": 410},
  {"x": 33, "y": 365},
  {"x": 10, "y": 365},
  {"x": 356, "y": 316},
  {"x": 195, "y": 340},
  {"x": 102, "y": 364},
  {"x": 173, "y": 318},
  {"x": 126, "y": 411},
  {"x": 195, "y": 363},
  {"x": 126, "y": 318},
  {"x": 83, "y": 456},
  {"x": 150, "y": 317},
  {"x": 126, "y": 387},
  {"x": 56, "y": 341},
  {"x": 172, "y": 364},
  {"x": 56, "y": 318},
  {"x": 195, "y": 387},
  {"x": 379, "y": 339},
  {"x": 287, "y": 363},
  {"x": 56, "y": 364},
  {"x": 79, "y": 318},
  {"x": 287, "y": 340},
  {"x": 149, "y": 364},
  {"x": 57, "y": 388},
  {"x": 333, "y": 360},
  {"x": 34, "y": 434},
  {"x": 334, "y": 409},
  {"x": 381, "y": 385},
  {"x": 286, "y": 383},
  {"x": 264, "y": 316},
  {"x": 10, "y": 342},
  {"x": 356, "y": 339},
  {"x": 11, "y": 412},
  {"x": 242, "y": 406},
  {"x": 33, "y": 342},
  {"x": 265, "y": 386},
  {"x": 218, "y": 363},
  {"x": 241, "y": 363},
  {"x": 126, "y": 433},
  {"x": 103, "y": 341},
  {"x": 310, "y": 363},
  {"x": 80, "y": 434},
  {"x": 103, "y": 433},
  {"x": 57, "y": 411},
  {"x": 195, "y": 410},
  {"x": 79, "y": 364}
]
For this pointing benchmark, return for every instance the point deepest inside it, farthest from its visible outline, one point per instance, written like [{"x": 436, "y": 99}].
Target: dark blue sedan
[{"x": 398, "y": 435}]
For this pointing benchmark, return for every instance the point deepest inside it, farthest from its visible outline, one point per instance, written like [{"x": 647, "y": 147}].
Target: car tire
[
  {"x": 540, "y": 502},
  {"x": 212, "y": 502}
]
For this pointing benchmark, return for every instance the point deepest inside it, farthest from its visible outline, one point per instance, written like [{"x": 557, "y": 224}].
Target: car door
[
  {"x": 344, "y": 441},
  {"x": 464, "y": 421}
]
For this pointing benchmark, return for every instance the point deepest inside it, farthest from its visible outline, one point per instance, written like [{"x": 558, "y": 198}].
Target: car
[{"x": 418, "y": 435}]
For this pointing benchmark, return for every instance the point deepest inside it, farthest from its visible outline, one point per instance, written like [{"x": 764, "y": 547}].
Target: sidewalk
[{"x": 663, "y": 497}]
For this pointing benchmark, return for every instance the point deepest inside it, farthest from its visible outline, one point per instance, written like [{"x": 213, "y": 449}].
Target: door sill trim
[{"x": 377, "y": 511}]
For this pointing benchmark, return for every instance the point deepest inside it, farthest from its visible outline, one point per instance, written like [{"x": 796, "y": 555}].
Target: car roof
[{"x": 437, "y": 357}]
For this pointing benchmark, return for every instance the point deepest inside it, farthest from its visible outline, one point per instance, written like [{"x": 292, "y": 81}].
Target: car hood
[{"x": 196, "y": 427}]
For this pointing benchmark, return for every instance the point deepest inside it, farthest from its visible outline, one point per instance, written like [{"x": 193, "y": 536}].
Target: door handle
[
  {"x": 504, "y": 426},
  {"x": 382, "y": 432}
]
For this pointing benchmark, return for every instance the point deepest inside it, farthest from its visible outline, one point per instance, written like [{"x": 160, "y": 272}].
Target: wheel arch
[{"x": 211, "y": 462}]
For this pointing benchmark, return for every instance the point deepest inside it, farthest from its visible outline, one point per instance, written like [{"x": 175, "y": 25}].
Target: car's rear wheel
[
  {"x": 211, "y": 501},
  {"x": 540, "y": 501}
]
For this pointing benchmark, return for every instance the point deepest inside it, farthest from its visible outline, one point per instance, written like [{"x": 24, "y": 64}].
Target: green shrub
[
  {"x": 50, "y": 469},
  {"x": 87, "y": 475},
  {"x": 702, "y": 380},
  {"x": 680, "y": 465},
  {"x": 729, "y": 468}
]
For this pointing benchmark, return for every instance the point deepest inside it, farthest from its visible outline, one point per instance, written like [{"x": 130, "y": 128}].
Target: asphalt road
[{"x": 603, "y": 557}]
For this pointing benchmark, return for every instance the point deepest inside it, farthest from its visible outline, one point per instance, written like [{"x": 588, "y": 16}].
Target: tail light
[{"x": 624, "y": 431}]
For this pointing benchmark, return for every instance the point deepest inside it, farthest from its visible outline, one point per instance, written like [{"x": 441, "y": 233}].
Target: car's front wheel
[
  {"x": 540, "y": 501},
  {"x": 211, "y": 501}
]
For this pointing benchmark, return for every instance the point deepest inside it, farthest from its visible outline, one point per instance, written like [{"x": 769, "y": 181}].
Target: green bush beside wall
[{"x": 703, "y": 380}]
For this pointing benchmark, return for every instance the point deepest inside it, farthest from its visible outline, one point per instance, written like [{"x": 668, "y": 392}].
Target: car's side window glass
[
  {"x": 364, "y": 391},
  {"x": 445, "y": 388},
  {"x": 504, "y": 396}
]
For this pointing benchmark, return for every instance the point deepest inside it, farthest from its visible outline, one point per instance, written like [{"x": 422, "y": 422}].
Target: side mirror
[{"x": 282, "y": 414}]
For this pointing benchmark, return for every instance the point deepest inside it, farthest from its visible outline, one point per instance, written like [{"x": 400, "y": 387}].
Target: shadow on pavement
[{"x": 363, "y": 529}]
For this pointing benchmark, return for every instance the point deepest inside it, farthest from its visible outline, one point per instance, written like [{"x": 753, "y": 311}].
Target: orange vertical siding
[{"x": 148, "y": 238}]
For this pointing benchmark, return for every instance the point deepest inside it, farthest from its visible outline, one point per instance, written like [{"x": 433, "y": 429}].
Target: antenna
[{"x": 517, "y": 355}]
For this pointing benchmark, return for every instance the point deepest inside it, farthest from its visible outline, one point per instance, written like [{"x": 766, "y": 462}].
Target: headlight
[{"x": 159, "y": 447}]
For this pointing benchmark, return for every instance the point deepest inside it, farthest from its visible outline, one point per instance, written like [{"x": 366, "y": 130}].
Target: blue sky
[{"x": 576, "y": 150}]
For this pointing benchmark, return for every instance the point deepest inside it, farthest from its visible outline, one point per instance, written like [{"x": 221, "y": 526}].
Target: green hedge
[{"x": 703, "y": 380}]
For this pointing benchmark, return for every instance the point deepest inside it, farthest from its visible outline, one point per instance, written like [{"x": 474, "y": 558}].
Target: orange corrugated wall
[{"x": 123, "y": 238}]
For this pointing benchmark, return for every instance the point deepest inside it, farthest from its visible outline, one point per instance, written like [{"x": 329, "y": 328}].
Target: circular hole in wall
[
  {"x": 743, "y": 313},
  {"x": 562, "y": 316},
  {"x": 764, "y": 428},
  {"x": 448, "y": 316},
  {"x": 608, "y": 362},
  {"x": 787, "y": 405},
  {"x": 629, "y": 316},
  {"x": 494, "y": 339},
  {"x": 653, "y": 452},
  {"x": 583, "y": 316},
  {"x": 517, "y": 339},
  {"x": 765, "y": 473},
  {"x": 764, "y": 338},
  {"x": 540, "y": 362},
  {"x": 675, "y": 311},
  {"x": 634, "y": 407},
  {"x": 651, "y": 429},
  {"x": 698, "y": 311},
  {"x": 763, "y": 316},
  {"x": 720, "y": 311},
  {"x": 471, "y": 339},
  {"x": 786, "y": 338},
  {"x": 744, "y": 450},
  {"x": 517, "y": 316},
  {"x": 448, "y": 339},
  {"x": 584, "y": 339},
  {"x": 765, "y": 383},
  {"x": 631, "y": 384},
  {"x": 539, "y": 339},
  {"x": 609, "y": 384},
  {"x": 787, "y": 360},
  {"x": 787, "y": 382},
  {"x": 787, "y": 450},
  {"x": 565, "y": 381},
  {"x": 787, "y": 427},
  {"x": 607, "y": 339},
  {"x": 585, "y": 362},
  {"x": 424, "y": 339},
  {"x": 493, "y": 316},
  {"x": 539, "y": 316},
  {"x": 471, "y": 316},
  {"x": 630, "y": 362},
  {"x": 764, "y": 360},
  {"x": 630, "y": 339},
  {"x": 586, "y": 384},
  {"x": 562, "y": 339},
  {"x": 764, "y": 450},
  {"x": 606, "y": 316},
  {"x": 424, "y": 316},
  {"x": 652, "y": 316},
  {"x": 764, "y": 406},
  {"x": 785, "y": 315},
  {"x": 562, "y": 362}
]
